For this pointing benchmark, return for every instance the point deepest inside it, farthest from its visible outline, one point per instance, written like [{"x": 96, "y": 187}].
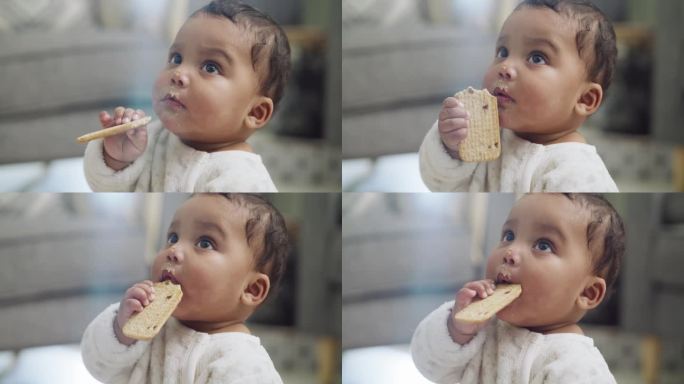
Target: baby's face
[
  {"x": 544, "y": 248},
  {"x": 208, "y": 85},
  {"x": 207, "y": 253},
  {"x": 537, "y": 74}
]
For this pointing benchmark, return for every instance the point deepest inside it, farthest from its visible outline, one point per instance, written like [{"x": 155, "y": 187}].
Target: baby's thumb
[{"x": 105, "y": 119}]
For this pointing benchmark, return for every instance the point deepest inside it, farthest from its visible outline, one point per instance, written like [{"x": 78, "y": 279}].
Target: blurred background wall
[
  {"x": 63, "y": 61},
  {"x": 65, "y": 257},
  {"x": 405, "y": 254},
  {"x": 400, "y": 59}
]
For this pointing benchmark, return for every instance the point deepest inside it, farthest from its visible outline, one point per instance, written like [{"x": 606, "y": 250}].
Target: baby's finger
[
  {"x": 118, "y": 114},
  {"x": 454, "y": 137},
  {"x": 137, "y": 133},
  {"x": 147, "y": 287},
  {"x": 450, "y": 113},
  {"x": 464, "y": 297},
  {"x": 491, "y": 286},
  {"x": 131, "y": 306},
  {"x": 478, "y": 286},
  {"x": 140, "y": 113},
  {"x": 450, "y": 125},
  {"x": 138, "y": 293},
  {"x": 105, "y": 118},
  {"x": 127, "y": 116},
  {"x": 451, "y": 102}
]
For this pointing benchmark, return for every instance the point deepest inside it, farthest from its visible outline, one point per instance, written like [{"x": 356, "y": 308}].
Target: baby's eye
[
  {"x": 537, "y": 58},
  {"x": 175, "y": 58},
  {"x": 172, "y": 238},
  {"x": 501, "y": 53},
  {"x": 205, "y": 243},
  {"x": 544, "y": 246},
  {"x": 508, "y": 236},
  {"x": 211, "y": 67}
]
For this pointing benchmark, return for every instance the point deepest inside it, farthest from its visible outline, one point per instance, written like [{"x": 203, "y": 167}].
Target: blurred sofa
[
  {"x": 63, "y": 259},
  {"x": 61, "y": 62}
]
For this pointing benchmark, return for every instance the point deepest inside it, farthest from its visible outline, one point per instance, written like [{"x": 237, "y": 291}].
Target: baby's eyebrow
[
  {"x": 208, "y": 225},
  {"x": 219, "y": 52},
  {"x": 550, "y": 228},
  {"x": 542, "y": 41},
  {"x": 502, "y": 40}
]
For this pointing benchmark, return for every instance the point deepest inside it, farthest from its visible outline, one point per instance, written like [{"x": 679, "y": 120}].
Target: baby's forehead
[
  {"x": 212, "y": 208},
  {"x": 551, "y": 210},
  {"x": 534, "y": 23}
]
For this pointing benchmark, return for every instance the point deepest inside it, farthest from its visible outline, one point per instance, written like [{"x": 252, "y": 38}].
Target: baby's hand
[
  {"x": 135, "y": 299},
  {"x": 453, "y": 124},
  {"x": 460, "y": 331},
  {"x": 122, "y": 149}
]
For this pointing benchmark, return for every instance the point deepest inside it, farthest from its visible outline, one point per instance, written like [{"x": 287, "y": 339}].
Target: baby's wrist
[
  {"x": 118, "y": 332},
  {"x": 113, "y": 163},
  {"x": 455, "y": 334},
  {"x": 452, "y": 153}
]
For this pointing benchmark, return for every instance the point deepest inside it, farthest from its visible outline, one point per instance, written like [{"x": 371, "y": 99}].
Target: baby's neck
[
  {"x": 558, "y": 328},
  {"x": 553, "y": 138},
  {"x": 237, "y": 145},
  {"x": 217, "y": 327}
]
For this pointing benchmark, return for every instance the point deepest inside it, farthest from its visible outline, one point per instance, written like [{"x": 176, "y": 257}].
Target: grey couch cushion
[
  {"x": 60, "y": 71},
  {"x": 395, "y": 79},
  {"x": 54, "y": 279},
  {"x": 54, "y": 85}
]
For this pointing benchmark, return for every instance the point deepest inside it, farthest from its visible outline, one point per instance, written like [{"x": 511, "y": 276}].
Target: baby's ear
[
  {"x": 593, "y": 293},
  {"x": 590, "y": 100},
  {"x": 260, "y": 113},
  {"x": 256, "y": 290}
]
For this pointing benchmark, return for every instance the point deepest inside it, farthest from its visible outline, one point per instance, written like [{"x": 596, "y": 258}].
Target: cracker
[
  {"x": 479, "y": 311},
  {"x": 111, "y": 131},
  {"x": 146, "y": 324},
  {"x": 483, "y": 142}
]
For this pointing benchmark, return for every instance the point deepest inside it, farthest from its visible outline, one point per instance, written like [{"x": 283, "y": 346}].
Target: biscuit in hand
[
  {"x": 481, "y": 310},
  {"x": 483, "y": 142},
  {"x": 147, "y": 323}
]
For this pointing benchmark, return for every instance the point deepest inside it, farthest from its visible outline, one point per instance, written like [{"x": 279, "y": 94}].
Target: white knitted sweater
[
  {"x": 168, "y": 165},
  {"x": 503, "y": 354},
  {"x": 177, "y": 354},
  {"x": 522, "y": 167}
]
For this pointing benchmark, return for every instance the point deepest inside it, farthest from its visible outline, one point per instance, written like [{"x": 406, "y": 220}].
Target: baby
[
  {"x": 225, "y": 74},
  {"x": 227, "y": 252},
  {"x": 554, "y": 62},
  {"x": 565, "y": 251}
]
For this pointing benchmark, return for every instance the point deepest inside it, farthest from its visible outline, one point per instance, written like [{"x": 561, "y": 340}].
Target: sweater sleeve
[
  {"x": 101, "y": 178},
  {"x": 436, "y": 355},
  {"x": 441, "y": 173},
  {"x": 103, "y": 355}
]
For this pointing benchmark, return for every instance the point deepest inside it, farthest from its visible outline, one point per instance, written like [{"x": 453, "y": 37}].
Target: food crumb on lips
[{"x": 168, "y": 275}]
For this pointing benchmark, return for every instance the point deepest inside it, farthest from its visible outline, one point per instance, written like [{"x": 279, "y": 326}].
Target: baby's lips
[{"x": 504, "y": 276}]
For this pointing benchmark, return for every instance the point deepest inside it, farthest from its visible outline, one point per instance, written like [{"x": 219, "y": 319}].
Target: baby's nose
[
  {"x": 511, "y": 257},
  {"x": 180, "y": 79},
  {"x": 507, "y": 72},
  {"x": 174, "y": 254}
]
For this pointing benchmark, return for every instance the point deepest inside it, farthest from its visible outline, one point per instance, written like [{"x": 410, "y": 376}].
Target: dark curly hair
[
  {"x": 605, "y": 235},
  {"x": 270, "y": 45},
  {"x": 594, "y": 31},
  {"x": 266, "y": 234}
]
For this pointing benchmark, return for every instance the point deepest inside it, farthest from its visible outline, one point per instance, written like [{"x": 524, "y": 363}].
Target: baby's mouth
[
  {"x": 502, "y": 96},
  {"x": 172, "y": 100},
  {"x": 168, "y": 275},
  {"x": 504, "y": 276}
]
